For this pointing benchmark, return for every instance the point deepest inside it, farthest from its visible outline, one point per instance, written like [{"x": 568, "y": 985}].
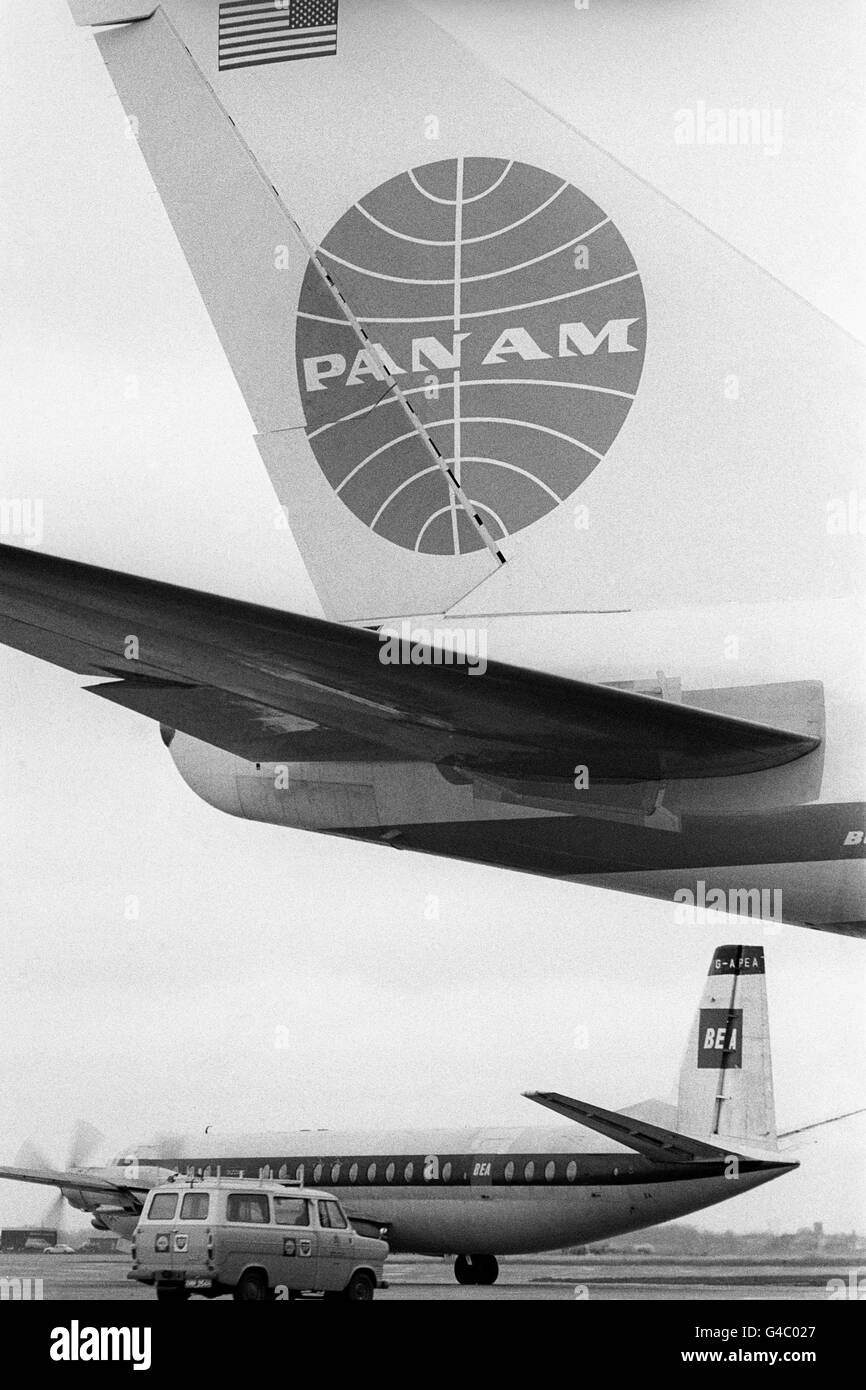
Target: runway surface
[{"x": 74, "y": 1277}]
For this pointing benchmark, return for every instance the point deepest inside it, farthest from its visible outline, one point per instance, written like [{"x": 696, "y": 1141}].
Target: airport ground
[{"x": 609, "y": 1277}]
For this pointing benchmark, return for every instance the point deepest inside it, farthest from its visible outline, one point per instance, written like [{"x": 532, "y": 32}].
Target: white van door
[
  {"x": 248, "y": 1237},
  {"x": 299, "y": 1243},
  {"x": 336, "y": 1245}
]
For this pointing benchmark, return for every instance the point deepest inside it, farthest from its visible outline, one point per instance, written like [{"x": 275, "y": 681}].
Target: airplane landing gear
[{"x": 476, "y": 1269}]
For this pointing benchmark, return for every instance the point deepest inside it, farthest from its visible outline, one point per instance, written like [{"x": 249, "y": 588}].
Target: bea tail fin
[{"x": 726, "y": 1081}]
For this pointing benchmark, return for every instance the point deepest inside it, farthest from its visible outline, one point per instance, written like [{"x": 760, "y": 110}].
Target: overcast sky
[{"x": 415, "y": 991}]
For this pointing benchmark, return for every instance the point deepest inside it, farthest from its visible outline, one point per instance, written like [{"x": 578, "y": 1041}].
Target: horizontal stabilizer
[
  {"x": 788, "y": 1135},
  {"x": 650, "y": 1140},
  {"x": 230, "y": 672},
  {"x": 92, "y": 13}
]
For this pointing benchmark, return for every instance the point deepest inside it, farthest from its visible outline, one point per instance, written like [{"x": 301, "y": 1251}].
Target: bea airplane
[
  {"x": 477, "y": 1194},
  {"x": 576, "y": 483}
]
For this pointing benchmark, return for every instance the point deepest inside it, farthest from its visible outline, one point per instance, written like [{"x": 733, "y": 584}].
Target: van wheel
[
  {"x": 251, "y": 1288},
  {"x": 360, "y": 1288},
  {"x": 171, "y": 1293}
]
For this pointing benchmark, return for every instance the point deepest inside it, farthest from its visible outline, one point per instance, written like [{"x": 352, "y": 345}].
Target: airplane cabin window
[
  {"x": 409, "y": 1172},
  {"x": 299, "y": 1173},
  {"x": 335, "y": 1172},
  {"x": 550, "y": 1171},
  {"x": 529, "y": 1171},
  {"x": 509, "y": 1171},
  {"x": 446, "y": 1172},
  {"x": 317, "y": 1173},
  {"x": 571, "y": 1171},
  {"x": 353, "y": 1173},
  {"x": 389, "y": 1172},
  {"x": 371, "y": 1173}
]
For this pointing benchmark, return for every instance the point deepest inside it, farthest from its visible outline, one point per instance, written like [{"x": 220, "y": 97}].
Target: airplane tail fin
[
  {"x": 726, "y": 1080},
  {"x": 437, "y": 297}
]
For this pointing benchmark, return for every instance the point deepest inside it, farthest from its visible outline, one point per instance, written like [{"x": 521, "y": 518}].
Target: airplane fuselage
[
  {"x": 786, "y": 844},
  {"x": 445, "y": 1192}
]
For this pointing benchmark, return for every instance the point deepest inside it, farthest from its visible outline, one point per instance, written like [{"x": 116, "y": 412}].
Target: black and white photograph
[{"x": 432, "y": 655}]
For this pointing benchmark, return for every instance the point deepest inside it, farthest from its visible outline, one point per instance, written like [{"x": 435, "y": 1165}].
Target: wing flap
[{"x": 247, "y": 728}]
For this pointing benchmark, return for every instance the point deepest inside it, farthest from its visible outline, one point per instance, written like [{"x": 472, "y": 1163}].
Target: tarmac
[{"x": 644, "y": 1277}]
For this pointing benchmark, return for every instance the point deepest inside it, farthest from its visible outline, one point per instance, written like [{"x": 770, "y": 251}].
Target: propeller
[{"x": 84, "y": 1143}]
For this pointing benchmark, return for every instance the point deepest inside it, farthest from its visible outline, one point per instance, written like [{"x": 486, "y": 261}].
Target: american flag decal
[{"x": 255, "y": 32}]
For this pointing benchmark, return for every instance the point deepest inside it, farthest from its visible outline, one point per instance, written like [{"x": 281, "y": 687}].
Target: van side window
[
  {"x": 194, "y": 1206},
  {"x": 162, "y": 1206},
  {"x": 291, "y": 1211},
  {"x": 331, "y": 1216},
  {"x": 248, "y": 1206}
]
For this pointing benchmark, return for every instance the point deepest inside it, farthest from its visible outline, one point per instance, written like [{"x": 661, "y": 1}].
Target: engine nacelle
[
  {"x": 356, "y": 796},
  {"x": 317, "y": 796}
]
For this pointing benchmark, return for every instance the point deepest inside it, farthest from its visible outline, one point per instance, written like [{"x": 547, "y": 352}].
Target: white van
[{"x": 254, "y": 1239}]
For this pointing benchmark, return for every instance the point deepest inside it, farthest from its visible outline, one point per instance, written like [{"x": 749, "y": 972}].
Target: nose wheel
[{"x": 476, "y": 1269}]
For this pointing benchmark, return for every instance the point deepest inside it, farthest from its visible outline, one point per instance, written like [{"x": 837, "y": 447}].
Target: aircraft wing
[
  {"x": 74, "y": 1180},
  {"x": 271, "y": 685},
  {"x": 650, "y": 1140}
]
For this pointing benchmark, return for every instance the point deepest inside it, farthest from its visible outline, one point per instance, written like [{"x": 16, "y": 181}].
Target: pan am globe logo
[{"x": 508, "y": 311}]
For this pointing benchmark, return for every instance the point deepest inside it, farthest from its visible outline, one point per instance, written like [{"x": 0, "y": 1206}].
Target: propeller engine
[{"x": 84, "y": 1144}]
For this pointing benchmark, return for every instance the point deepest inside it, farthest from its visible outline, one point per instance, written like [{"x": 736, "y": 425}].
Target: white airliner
[
  {"x": 480, "y": 1193},
  {"x": 603, "y": 469}
]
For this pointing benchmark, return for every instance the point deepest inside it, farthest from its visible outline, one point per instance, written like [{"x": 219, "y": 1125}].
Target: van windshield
[{"x": 331, "y": 1216}]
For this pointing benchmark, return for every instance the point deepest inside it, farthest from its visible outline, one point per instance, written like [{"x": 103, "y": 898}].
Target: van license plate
[{"x": 198, "y": 1283}]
